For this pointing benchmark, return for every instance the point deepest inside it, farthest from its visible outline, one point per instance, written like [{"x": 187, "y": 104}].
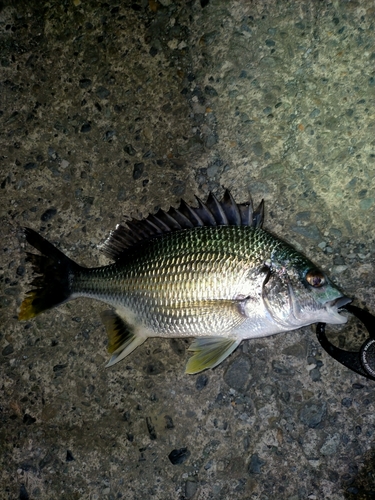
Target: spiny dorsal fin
[{"x": 212, "y": 213}]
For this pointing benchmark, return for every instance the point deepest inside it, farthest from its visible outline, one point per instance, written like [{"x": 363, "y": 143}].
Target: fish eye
[{"x": 315, "y": 278}]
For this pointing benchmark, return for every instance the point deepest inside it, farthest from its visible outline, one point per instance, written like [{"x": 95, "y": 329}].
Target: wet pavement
[{"x": 112, "y": 110}]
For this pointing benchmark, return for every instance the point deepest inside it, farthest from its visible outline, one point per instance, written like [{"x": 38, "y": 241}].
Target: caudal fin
[{"x": 53, "y": 286}]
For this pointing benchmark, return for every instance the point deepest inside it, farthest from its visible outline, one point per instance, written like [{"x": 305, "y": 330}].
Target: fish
[{"x": 210, "y": 272}]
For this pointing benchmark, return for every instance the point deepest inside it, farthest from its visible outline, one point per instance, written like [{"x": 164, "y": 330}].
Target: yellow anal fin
[
  {"x": 209, "y": 352},
  {"x": 122, "y": 340}
]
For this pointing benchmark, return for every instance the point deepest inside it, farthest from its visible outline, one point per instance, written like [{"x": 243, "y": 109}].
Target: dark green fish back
[{"x": 210, "y": 214}]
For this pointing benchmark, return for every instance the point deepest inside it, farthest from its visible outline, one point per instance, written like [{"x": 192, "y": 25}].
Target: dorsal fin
[
  {"x": 217, "y": 210},
  {"x": 212, "y": 213},
  {"x": 258, "y": 215},
  {"x": 231, "y": 209},
  {"x": 204, "y": 213}
]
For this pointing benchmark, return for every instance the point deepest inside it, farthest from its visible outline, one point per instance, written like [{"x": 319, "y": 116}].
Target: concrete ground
[{"x": 113, "y": 109}]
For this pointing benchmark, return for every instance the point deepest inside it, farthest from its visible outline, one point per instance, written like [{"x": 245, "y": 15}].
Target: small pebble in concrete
[
  {"x": 330, "y": 445},
  {"x": 201, "y": 382},
  {"x": 102, "y": 92},
  {"x": 85, "y": 83},
  {"x": 28, "y": 419},
  {"x": 313, "y": 413},
  {"x": 86, "y": 127},
  {"x": 7, "y": 350},
  {"x": 168, "y": 422},
  {"x": 179, "y": 456},
  {"x": 138, "y": 170},
  {"x": 238, "y": 373},
  {"x": 255, "y": 464},
  {"x": 48, "y": 214},
  {"x": 191, "y": 487},
  {"x": 30, "y": 166},
  {"x": 346, "y": 402},
  {"x": 154, "y": 368},
  {"x": 151, "y": 428}
]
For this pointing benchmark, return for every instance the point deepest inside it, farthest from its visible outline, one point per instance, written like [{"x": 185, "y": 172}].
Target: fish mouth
[
  {"x": 333, "y": 308},
  {"x": 341, "y": 301}
]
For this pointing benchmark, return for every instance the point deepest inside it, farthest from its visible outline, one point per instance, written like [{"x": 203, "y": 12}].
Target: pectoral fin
[
  {"x": 209, "y": 352},
  {"x": 122, "y": 339}
]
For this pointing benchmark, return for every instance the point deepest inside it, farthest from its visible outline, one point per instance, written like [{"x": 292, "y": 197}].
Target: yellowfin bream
[{"x": 209, "y": 272}]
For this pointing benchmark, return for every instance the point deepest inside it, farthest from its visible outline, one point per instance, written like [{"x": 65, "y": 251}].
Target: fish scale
[
  {"x": 209, "y": 272},
  {"x": 181, "y": 266}
]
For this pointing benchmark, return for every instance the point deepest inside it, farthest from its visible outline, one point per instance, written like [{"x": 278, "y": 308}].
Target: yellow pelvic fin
[
  {"x": 122, "y": 339},
  {"x": 209, "y": 352}
]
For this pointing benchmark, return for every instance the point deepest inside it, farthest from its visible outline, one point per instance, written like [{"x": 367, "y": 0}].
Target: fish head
[{"x": 296, "y": 293}]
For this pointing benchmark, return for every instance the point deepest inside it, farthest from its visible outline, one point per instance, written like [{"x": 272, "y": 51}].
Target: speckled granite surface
[{"x": 114, "y": 109}]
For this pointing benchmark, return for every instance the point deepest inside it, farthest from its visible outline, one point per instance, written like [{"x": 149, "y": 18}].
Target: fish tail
[{"x": 56, "y": 271}]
